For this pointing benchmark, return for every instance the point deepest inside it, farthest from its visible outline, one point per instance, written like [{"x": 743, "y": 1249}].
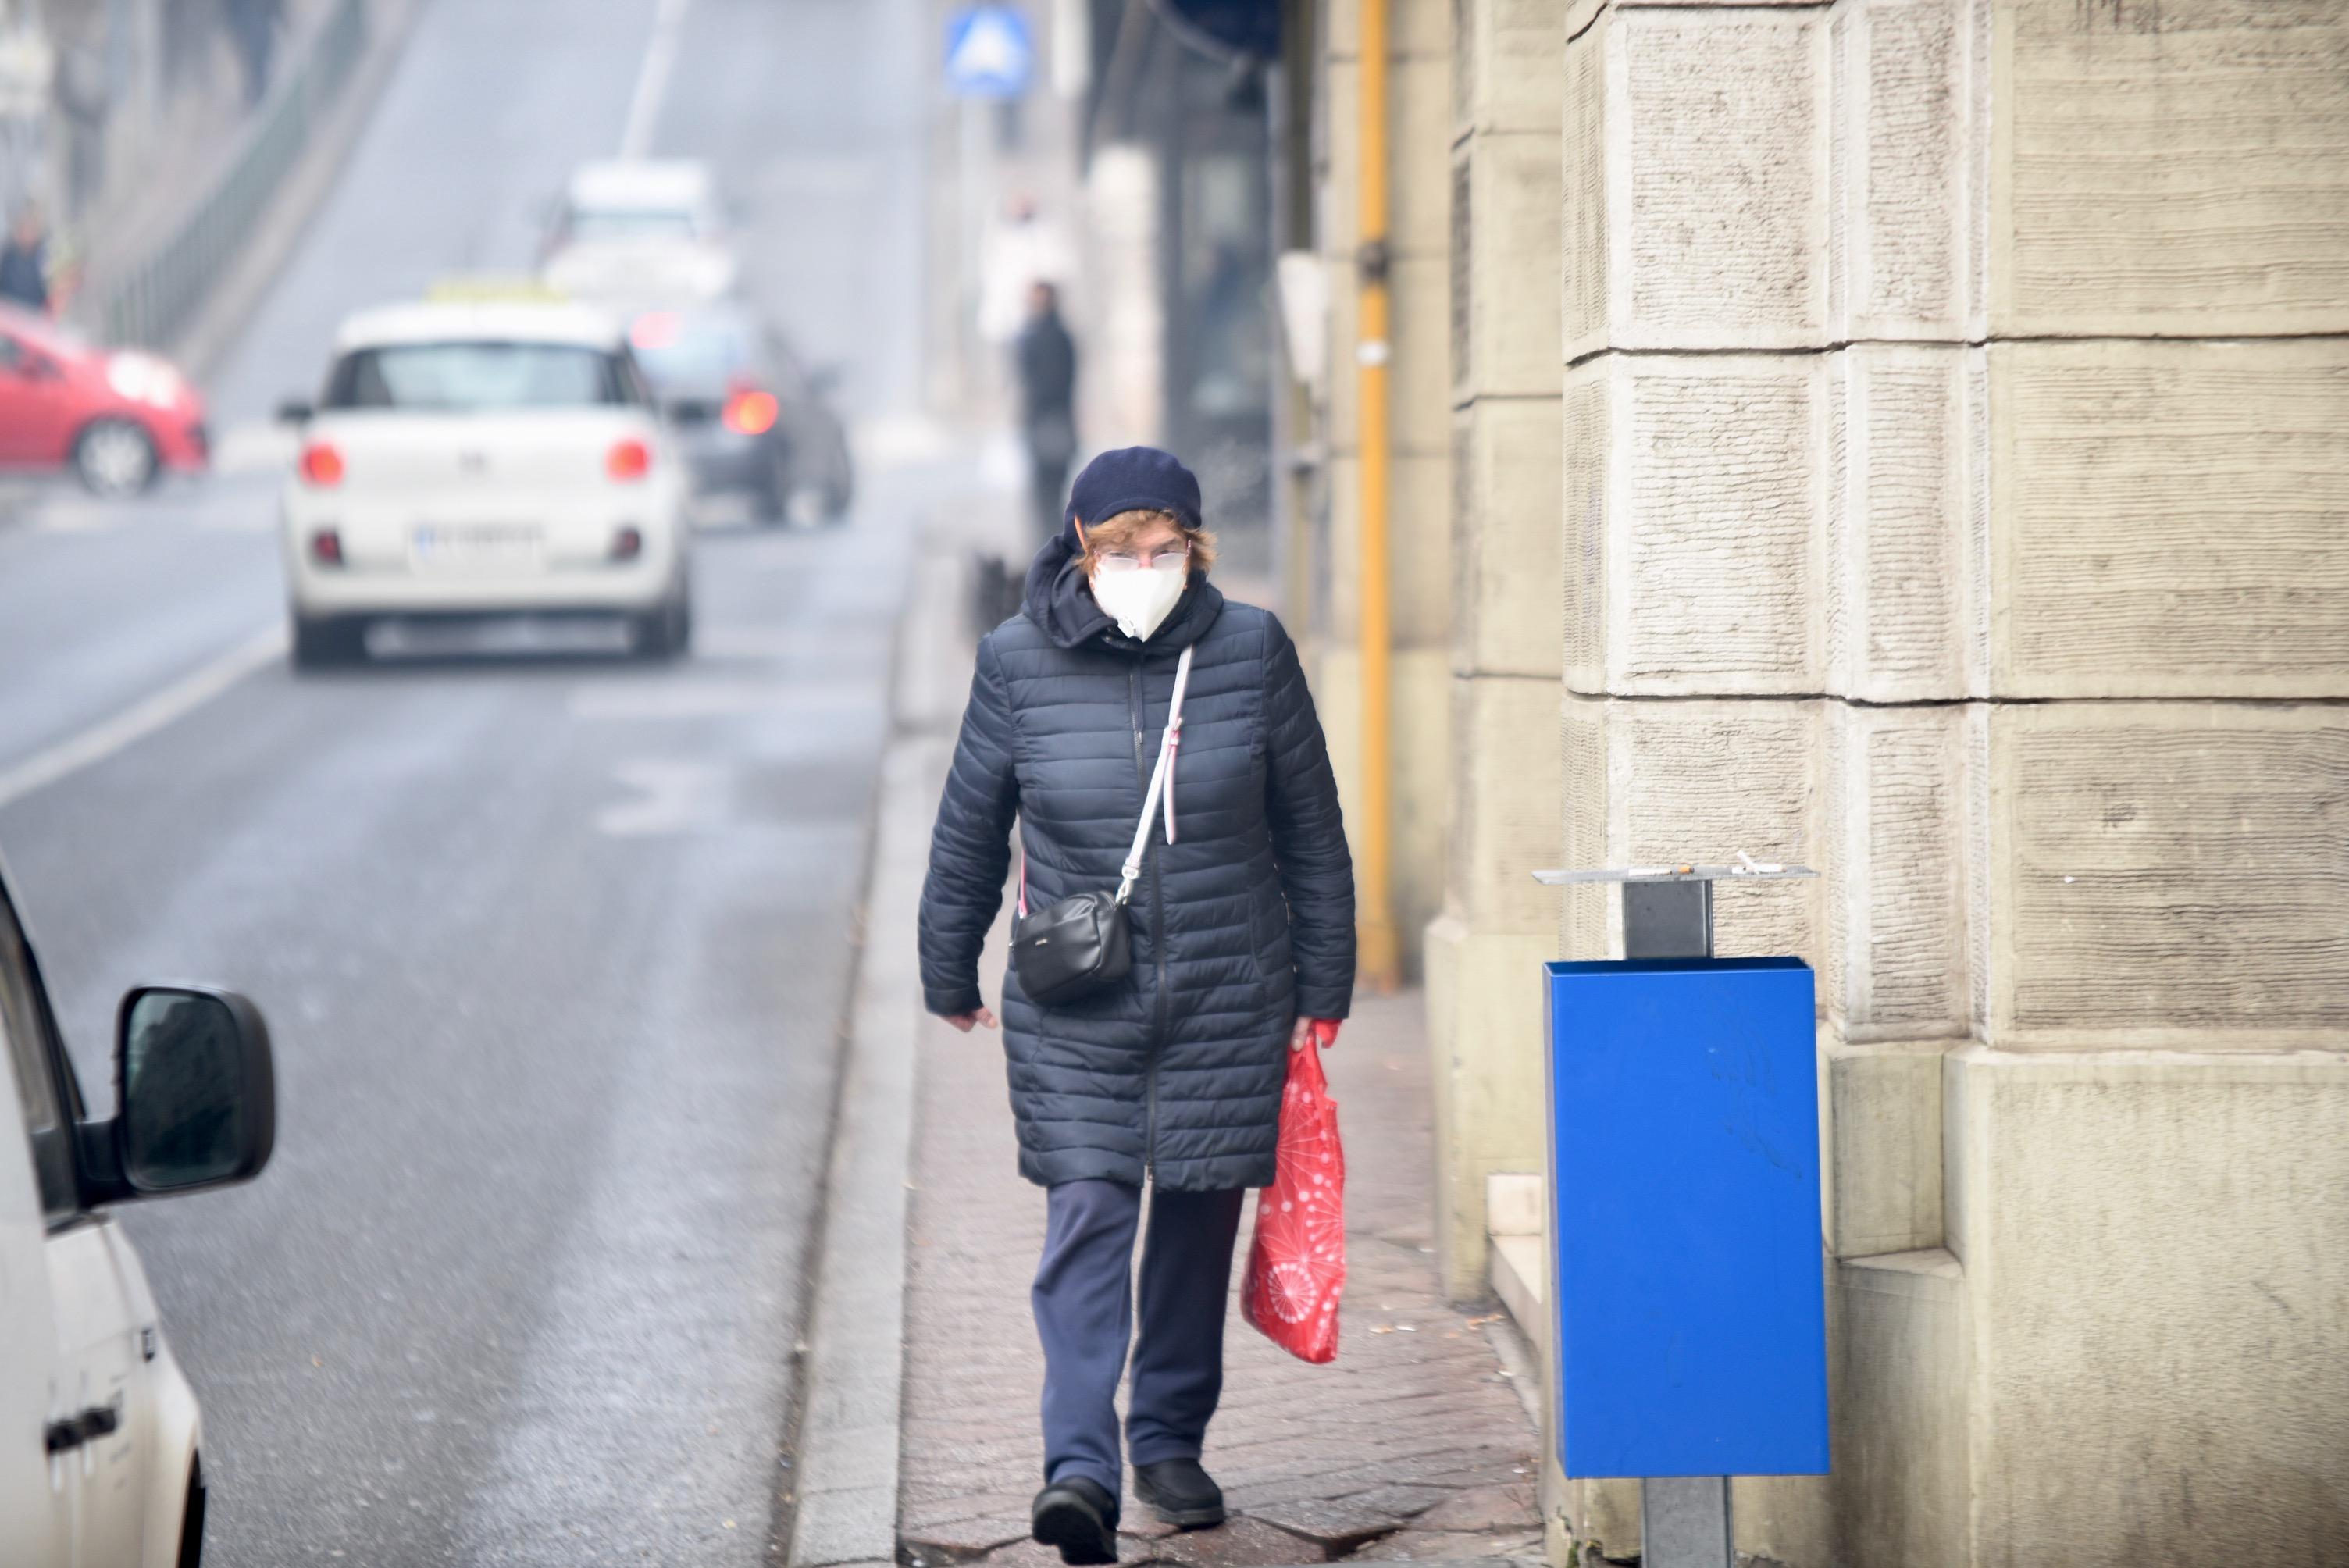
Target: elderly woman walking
[{"x": 1186, "y": 919}]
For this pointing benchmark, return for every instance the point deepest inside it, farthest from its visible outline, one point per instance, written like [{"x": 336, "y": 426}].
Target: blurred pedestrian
[
  {"x": 1047, "y": 362},
  {"x": 1241, "y": 933},
  {"x": 24, "y": 259},
  {"x": 1019, "y": 248}
]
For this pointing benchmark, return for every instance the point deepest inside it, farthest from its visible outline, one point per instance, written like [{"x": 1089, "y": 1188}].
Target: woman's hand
[
  {"x": 963, "y": 1021},
  {"x": 1324, "y": 1030}
]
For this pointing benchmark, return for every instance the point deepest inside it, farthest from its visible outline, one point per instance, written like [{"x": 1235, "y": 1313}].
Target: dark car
[{"x": 750, "y": 420}]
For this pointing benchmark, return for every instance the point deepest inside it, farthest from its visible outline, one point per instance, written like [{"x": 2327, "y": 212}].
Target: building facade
[
  {"x": 1175, "y": 118},
  {"x": 1912, "y": 438}
]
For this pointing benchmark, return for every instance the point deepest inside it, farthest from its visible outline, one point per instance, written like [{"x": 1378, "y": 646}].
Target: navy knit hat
[{"x": 1135, "y": 479}]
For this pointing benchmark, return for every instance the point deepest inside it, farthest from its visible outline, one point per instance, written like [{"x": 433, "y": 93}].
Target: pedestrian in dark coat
[
  {"x": 1046, "y": 357},
  {"x": 25, "y": 262},
  {"x": 1243, "y": 943}
]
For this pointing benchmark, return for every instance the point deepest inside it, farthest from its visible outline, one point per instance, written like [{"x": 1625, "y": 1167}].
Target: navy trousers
[{"x": 1084, "y": 1314}]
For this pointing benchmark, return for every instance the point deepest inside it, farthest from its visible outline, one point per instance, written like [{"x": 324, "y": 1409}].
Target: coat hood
[{"x": 1061, "y": 602}]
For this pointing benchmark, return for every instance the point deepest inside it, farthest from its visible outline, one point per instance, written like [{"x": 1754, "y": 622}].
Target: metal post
[
  {"x": 1667, "y": 920},
  {"x": 1683, "y": 1520}
]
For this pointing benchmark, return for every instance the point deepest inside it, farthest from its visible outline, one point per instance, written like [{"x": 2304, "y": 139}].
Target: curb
[{"x": 845, "y": 1509}]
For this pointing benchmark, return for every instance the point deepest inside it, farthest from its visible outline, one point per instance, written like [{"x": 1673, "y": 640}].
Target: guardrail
[{"x": 159, "y": 297}]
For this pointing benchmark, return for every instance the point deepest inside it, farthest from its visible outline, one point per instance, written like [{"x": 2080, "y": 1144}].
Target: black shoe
[
  {"x": 1078, "y": 1516},
  {"x": 1180, "y": 1492}
]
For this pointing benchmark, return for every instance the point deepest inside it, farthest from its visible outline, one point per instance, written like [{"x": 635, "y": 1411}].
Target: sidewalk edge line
[{"x": 142, "y": 719}]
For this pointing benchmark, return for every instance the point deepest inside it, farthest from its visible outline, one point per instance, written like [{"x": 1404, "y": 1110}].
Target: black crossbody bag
[{"x": 1075, "y": 945}]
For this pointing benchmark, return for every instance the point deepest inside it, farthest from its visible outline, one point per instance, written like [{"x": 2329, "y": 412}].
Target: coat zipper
[{"x": 1157, "y": 947}]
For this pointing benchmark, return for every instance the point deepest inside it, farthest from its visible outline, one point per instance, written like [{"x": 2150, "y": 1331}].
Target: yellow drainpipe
[{"x": 1380, "y": 956}]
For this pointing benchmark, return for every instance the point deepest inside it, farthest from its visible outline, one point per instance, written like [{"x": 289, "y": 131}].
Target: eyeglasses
[{"x": 1167, "y": 558}]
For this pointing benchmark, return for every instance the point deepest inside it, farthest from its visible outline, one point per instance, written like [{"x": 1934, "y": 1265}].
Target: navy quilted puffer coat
[{"x": 1243, "y": 924}]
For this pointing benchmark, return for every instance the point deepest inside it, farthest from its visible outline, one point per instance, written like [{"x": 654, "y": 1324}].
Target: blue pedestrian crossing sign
[{"x": 989, "y": 53}]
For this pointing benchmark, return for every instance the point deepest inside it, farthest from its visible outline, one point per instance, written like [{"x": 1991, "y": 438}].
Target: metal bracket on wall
[{"x": 1684, "y": 1520}]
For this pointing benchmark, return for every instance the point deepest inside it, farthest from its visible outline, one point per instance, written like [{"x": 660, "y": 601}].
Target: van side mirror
[
  {"x": 294, "y": 411},
  {"x": 198, "y": 1092}
]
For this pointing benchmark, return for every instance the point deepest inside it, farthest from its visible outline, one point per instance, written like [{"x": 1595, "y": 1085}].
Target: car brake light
[
  {"x": 321, "y": 465},
  {"x": 627, "y": 544},
  {"x": 327, "y": 547},
  {"x": 751, "y": 413},
  {"x": 628, "y": 460}
]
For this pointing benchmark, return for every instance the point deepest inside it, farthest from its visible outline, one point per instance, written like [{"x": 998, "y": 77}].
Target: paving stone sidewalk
[{"x": 1414, "y": 1445}]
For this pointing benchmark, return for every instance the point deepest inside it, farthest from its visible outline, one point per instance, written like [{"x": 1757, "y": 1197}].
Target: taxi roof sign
[{"x": 494, "y": 288}]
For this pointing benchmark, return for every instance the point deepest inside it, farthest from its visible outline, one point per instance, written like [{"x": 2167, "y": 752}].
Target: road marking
[
  {"x": 652, "y": 78},
  {"x": 671, "y": 798},
  {"x": 142, "y": 719}
]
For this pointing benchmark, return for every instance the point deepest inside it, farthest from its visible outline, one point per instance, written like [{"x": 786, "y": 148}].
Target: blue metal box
[{"x": 1690, "y": 1312}]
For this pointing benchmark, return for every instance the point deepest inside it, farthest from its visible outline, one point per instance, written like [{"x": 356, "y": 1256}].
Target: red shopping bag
[{"x": 1296, "y": 1266}]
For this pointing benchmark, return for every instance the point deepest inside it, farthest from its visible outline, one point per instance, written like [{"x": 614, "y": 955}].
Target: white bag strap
[{"x": 1161, "y": 781}]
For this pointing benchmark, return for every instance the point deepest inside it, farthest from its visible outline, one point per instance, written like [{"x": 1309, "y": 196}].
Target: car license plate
[{"x": 474, "y": 547}]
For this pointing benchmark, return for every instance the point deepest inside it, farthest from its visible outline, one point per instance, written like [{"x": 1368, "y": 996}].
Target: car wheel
[
  {"x": 323, "y": 642},
  {"x": 192, "y": 1520},
  {"x": 665, "y": 633},
  {"x": 841, "y": 493},
  {"x": 116, "y": 457},
  {"x": 772, "y": 498}
]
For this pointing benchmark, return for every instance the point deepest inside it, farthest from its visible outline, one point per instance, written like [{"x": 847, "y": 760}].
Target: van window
[
  {"x": 36, "y": 1086},
  {"x": 607, "y": 225}
]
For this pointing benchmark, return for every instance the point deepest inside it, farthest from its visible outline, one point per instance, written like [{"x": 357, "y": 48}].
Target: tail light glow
[
  {"x": 628, "y": 460},
  {"x": 751, "y": 413},
  {"x": 327, "y": 547},
  {"x": 321, "y": 465}
]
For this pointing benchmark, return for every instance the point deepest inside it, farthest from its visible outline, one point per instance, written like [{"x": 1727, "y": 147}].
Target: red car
[{"x": 117, "y": 418}]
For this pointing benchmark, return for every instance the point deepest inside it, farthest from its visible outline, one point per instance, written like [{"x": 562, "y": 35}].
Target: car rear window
[
  {"x": 690, "y": 351},
  {"x": 466, "y": 378}
]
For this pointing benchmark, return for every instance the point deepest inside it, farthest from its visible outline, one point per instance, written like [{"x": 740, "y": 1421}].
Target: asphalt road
[{"x": 555, "y": 951}]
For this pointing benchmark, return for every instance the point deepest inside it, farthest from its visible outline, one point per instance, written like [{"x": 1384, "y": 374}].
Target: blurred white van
[{"x": 640, "y": 232}]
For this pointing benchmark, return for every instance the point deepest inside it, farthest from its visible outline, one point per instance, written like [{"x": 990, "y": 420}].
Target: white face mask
[{"x": 1138, "y": 602}]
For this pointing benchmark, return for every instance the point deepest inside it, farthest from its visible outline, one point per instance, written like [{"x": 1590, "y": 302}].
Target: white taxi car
[
  {"x": 483, "y": 457},
  {"x": 101, "y": 1444}
]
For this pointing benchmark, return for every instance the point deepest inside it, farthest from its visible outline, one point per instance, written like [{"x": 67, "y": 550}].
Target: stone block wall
[
  {"x": 1956, "y": 498},
  {"x": 1912, "y": 438},
  {"x": 1497, "y": 925}
]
